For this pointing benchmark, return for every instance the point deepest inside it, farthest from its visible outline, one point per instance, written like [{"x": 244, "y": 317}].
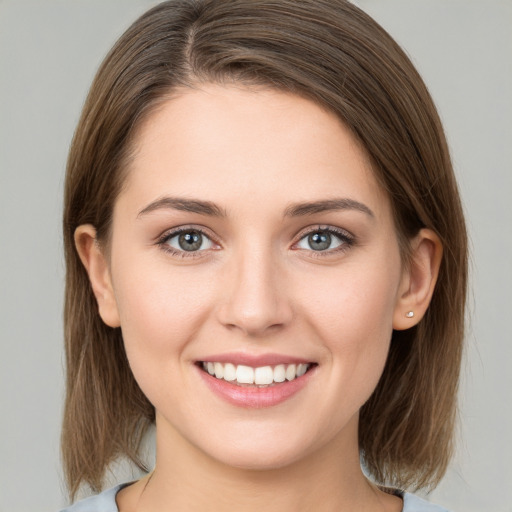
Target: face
[{"x": 252, "y": 241}]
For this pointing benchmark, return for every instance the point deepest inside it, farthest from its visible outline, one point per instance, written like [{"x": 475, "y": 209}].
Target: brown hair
[{"x": 334, "y": 54}]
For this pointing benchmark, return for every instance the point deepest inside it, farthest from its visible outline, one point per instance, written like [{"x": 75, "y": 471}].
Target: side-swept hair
[{"x": 335, "y": 55}]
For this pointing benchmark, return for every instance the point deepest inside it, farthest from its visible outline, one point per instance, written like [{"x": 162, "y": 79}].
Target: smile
[
  {"x": 255, "y": 382},
  {"x": 261, "y": 376}
]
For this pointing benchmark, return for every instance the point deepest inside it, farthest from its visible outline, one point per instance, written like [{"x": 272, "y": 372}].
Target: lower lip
[{"x": 255, "y": 397}]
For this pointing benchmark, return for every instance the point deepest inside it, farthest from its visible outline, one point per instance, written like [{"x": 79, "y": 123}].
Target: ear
[
  {"x": 95, "y": 263},
  {"x": 418, "y": 280}
]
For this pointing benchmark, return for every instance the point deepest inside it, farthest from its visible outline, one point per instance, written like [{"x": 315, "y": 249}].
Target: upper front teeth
[{"x": 262, "y": 375}]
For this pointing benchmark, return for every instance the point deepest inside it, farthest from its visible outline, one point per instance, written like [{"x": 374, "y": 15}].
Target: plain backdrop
[{"x": 49, "y": 51}]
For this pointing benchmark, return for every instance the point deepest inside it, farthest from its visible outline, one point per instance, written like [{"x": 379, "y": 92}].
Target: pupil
[
  {"x": 190, "y": 241},
  {"x": 320, "y": 241}
]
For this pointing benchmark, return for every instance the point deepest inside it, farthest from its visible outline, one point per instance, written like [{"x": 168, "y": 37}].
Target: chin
[
  {"x": 258, "y": 460},
  {"x": 259, "y": 449}
]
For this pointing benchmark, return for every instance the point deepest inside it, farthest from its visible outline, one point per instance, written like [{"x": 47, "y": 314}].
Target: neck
[{"x": 186, "y": 478}]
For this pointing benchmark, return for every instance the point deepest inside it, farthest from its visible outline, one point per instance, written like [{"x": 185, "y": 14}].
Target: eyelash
[
  {"x": 347, "y": 241},
  {"x": 162, "y": 242}
]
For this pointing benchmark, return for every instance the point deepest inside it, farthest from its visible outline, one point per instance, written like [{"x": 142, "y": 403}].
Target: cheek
[
  {"x": 160, "y": 310},
  {"x": 352, "y": 314},
  {"x": 355, "y": 301}
]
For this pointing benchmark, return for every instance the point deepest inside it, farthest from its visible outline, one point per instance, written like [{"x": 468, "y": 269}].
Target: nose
[{"x": 255, "y": 299}]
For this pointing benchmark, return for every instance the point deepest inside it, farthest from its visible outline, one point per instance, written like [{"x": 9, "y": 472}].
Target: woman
[{"x": 266, "y": 257}]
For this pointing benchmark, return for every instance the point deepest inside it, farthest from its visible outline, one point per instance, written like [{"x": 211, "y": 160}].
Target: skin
[{"x": 258, "y": 287}]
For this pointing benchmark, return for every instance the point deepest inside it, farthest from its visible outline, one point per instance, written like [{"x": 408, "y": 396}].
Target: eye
[
  {"x": 182, "y": 241},
  {"x": 325, "y": 240}
]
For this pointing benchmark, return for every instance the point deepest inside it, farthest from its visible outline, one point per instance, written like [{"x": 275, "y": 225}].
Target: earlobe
[
  {"x": 419, "y": 280},
  {"x": 95, "y": 263}
]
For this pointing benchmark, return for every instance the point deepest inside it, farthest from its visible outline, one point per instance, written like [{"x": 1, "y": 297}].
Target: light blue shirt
[{"x": 106, "y": 502}]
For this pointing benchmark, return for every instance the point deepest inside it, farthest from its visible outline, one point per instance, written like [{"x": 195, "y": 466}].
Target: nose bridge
[{"x": 255, "y": 298}]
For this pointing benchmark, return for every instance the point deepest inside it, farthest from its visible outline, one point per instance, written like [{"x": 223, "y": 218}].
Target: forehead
[{"x": 224, "y": 143}]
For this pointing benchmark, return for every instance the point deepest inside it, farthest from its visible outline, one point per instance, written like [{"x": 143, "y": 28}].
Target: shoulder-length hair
[{"x": 334, "y": 54}]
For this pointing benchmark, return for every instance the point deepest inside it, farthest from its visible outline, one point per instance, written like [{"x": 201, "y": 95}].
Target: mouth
[{"x": 255, "y": 377}]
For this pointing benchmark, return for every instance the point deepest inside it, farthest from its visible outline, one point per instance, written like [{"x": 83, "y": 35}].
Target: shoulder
[
  {"x": 414, "y": 504},
  {"x": 104, "y": 502}
]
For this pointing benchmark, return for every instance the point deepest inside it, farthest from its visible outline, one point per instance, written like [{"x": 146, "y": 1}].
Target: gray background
[{"x": 49, "y": 51}]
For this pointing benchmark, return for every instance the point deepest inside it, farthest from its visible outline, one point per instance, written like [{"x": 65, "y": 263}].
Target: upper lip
[{"x": 254, "y": 360}]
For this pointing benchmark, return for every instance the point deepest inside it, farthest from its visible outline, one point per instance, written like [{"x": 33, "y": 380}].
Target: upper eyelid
[
  {"x": 172, "y": 232},
  {"x": 330, "y": 229}
]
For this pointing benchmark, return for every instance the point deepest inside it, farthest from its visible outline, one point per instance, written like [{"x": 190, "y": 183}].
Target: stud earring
[{"x": 409, "y": 314}]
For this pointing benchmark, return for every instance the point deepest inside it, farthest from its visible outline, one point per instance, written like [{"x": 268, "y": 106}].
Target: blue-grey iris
[
  {"x": 190, "y": 241},
  {"x": 319, "y": 241}
]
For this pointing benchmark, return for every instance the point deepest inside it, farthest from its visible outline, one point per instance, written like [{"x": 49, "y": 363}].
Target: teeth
[
  {"x": 280, "y": 373},
  {"x": 219, "y": 370},
  {"x": 261, "y": 376},
  {"x": 291, "y": 372},
  {"x": 244, "y": 374},
  {"x": 301, "y": 369},
  {"x": 229, "y": 372}
]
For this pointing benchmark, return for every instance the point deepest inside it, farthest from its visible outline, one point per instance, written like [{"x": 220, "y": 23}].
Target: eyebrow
[
  {"x": 293, "y": 210},
  {"x": 185, "y": 205},
  {"x": 302, "y": 209}
]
